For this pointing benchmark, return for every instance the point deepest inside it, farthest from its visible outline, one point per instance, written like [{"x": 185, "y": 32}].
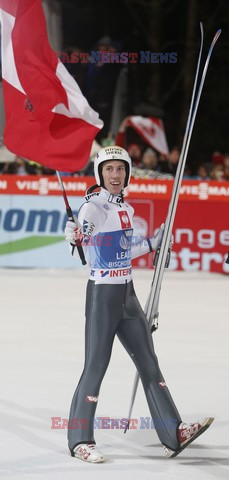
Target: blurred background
[{"x": 162, "y": 90}]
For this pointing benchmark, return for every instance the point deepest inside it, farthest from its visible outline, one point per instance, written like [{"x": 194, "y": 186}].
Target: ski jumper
[{"x": 113, "y": 308}]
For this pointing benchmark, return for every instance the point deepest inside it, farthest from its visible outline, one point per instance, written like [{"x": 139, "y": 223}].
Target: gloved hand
[
  {"x": 73, "y": 232},
  {"x": 157, "y": 239}
]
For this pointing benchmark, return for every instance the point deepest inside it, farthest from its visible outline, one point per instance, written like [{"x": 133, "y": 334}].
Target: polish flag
[
  {"x": 48, "y": 120},
  {"x": 151, "y": 130}
]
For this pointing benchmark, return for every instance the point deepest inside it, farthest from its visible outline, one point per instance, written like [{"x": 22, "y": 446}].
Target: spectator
[
  {"x": 226, "y": 173},
  {"x": 217, "y": 158},
  {"x": 148, "y": 167},
  {"x": 226, "y": 160},
  {"x": 169, "y": 164},
  {"x": 202, "y": 172},
  {"x": 18, "y": 167},
  {"x": 226, "y": 167},
  {"x": 217, "y": 172},
  {"x": 33, "y": 168},
  {"x": 47, "y": 171},
  {"x": 149, "y": 159},
  {"x": 135, "y": 153}
]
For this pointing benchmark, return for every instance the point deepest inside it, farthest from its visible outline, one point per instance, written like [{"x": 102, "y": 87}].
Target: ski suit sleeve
[
  {"x": 91, "y": 217},
  {"x": 142, "y": 245},
  {"x": 139, "y": 245}
]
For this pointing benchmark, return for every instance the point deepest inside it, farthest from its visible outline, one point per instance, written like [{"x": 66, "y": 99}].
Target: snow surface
[{"x": 41, "y": 358}]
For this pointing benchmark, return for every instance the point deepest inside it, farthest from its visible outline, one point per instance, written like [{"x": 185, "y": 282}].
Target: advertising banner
[{"x": 32, "y": 219}]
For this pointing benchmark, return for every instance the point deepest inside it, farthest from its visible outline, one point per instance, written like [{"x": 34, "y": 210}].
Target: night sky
[{"x": 129, "y": 24}]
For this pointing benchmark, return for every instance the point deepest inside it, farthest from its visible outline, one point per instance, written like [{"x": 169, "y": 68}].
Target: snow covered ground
[{"x": 41, "y": 358}]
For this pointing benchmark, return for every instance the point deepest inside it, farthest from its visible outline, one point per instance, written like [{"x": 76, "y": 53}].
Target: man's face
[{"x": 114, "y": 174}]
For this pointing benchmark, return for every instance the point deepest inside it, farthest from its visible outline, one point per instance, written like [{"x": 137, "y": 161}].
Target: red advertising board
[
  {"x": 201, "y": 228},
  {"x": 139, "y": 188},
  {"x": 201, "y": 235}
]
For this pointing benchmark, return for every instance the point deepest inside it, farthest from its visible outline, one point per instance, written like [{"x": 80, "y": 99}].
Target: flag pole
[{"x": 70, "y": 217}]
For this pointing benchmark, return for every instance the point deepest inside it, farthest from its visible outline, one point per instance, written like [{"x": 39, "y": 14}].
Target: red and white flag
[
  {"x": 48, "y": 120},
  {"x": 151, "y": 130}
]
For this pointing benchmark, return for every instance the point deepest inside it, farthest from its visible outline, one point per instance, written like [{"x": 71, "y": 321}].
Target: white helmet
[{"x": 111, "y": 153}]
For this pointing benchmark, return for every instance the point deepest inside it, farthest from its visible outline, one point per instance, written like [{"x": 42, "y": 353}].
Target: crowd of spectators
[
  {"x": 146, "y": 163},
  {"x": 151, "y": 164},
  {"x": 21, "y": 166},
  {"x": 94, "y": 79}
]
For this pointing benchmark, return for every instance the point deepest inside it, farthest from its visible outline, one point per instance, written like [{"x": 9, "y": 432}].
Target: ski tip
[
  {"x": 218, "y": 33},
  {"x": 216, "y": 36}
]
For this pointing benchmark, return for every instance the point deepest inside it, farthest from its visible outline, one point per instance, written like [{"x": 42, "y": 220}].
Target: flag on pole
[
  {"x": 48, "y": 120},
  {"x": 152, "y": 130},
  {"x": 149, "y": 128}
]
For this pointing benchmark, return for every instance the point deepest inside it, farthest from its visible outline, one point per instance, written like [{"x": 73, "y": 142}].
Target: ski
[{"x": 151, "y": 309}]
